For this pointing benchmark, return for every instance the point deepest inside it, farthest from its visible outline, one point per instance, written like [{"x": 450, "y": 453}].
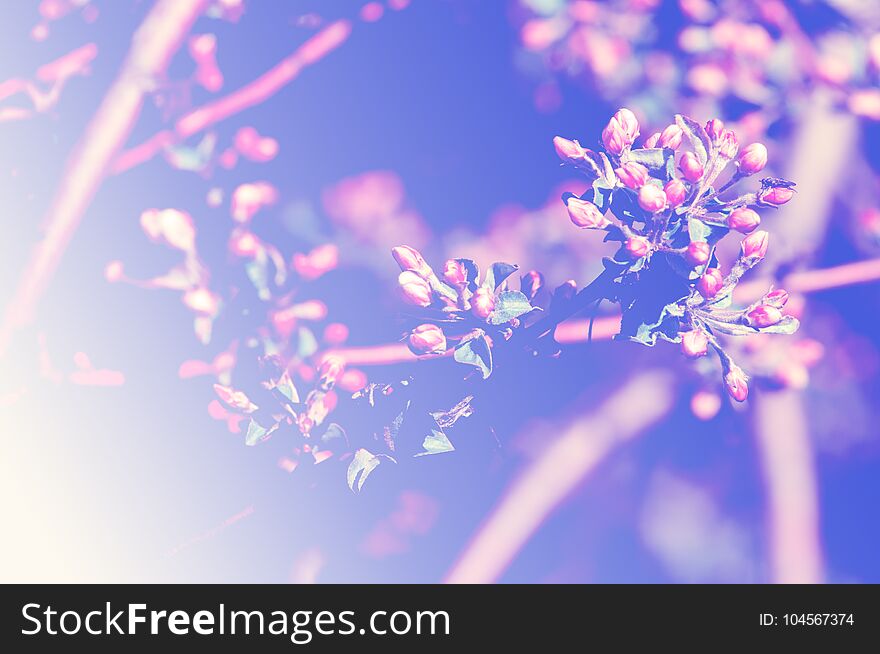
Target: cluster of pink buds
[{"x": 669, "y": 203}]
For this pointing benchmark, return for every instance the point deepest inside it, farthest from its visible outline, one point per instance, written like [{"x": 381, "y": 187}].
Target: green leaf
[
  {"x": 697, "y": 136},
  {"x": 650, "y": 305},
  {"x": 497, "y": 273},
  {"x": 256, "y": 433},
  {"x": 306, "y": 343},
  {"x": 475, "y": 351},
  {"x": 436, "y": 443},
  {"x": 788, "y": 325},
  {"x": 700, "y": 231},
  {"x": 650, "y": 158},
  {"x": 509, "y": 305},
  {"x": 363, "y": 463},
  {"x": 462, "y": 409},
  {"x": 285, "y": 385},
  {"x": 334, "y": 434}
]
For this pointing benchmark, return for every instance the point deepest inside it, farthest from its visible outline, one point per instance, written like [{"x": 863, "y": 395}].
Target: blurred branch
[
  {"x": 604, "y": 328},
  {"x": 262, "y": 88},
  {"x": 786, "y": 458},
  {"x": 560, "y": 468},
  {"x": 153, "y": 45}
]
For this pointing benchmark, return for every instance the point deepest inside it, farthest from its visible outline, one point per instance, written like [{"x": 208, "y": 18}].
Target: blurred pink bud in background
[
  {"x": 170, "y": 226},
  {"x": 251, "y": 145},
  {"x": 249, "y": 198},
  {"x": 202, "y": 301},
  {"x": 320, "y": 260}
]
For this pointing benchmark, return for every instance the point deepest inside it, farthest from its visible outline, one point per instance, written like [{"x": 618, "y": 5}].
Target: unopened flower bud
[
  {"x": 628, "y": 122},
  {"x": 586, "y": 215},
  {"x": 676, "y": 193},
  {"x": 710, "y": 283},
  {"x": 565, "y": 291},
  {"x": 414, "y": 289},
  {"x": 620, "y": 132},
  {"x": 778, "y": 297},
  {"x": 632, "y": 175},
  {"x": 690, "y": 167},
  {"x": 776, "y": 195},
  {"x": 409, "y": 259},
  {"x": 568, "y": 151},
  {"x": 763, "y": 315},
  {"x": 743, "y": 220},
  {"x": 694, "y": 343},
  {"x": 752, "y": 159},
  {"x": 728, "y": 144},
  {"x": 736, "y": 383},
  {"x": 454, "y": 272},
  {"x": 754, "y": 246},
  {"x": 697, "y": 253},
  {"x": 531, "y": 283},
  {"x": 714, "y": 128},
  {"x": 638, "y": 246},
  {"x": 427, "y": 339},
  {"x": 483, "y": 302},
  {"x": 652, "y": 198},
  {"x": 652, "y": 141},
  {"x": 671, "y": 137}
]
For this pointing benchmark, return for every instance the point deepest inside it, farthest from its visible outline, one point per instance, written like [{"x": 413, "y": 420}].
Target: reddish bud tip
[
  {"x": 714, "y": 128},
  {"x": 638, "y": 246},
  {"x": 671, "y": 137},
  {"x": 743, "y": 220},
  {"x": 728, "y": 144},
  {"x": 752, "y": 159},
  {"x": 777, "y": 195},
  {"x": 568, "y": 150},
  {"x": 454, "y": 272},
  {"x": 427, "y": 339},
  {"x": 736, "y": 383},
  {"x": 694, "y": 343},
  {"x": 632, "y": 175},
  {"x": 710, "y": 283},
  {"x": 482, "y": 303},
  {"x": 586, "y": 215},
  {"x": 778, "y": 298},
  {"x": 754, "y": 246},
  {"x": 408, "y": 258},
  {"x": 676, "y": 193},
  {"x": 414, "y": 289},
  {"x": 652, "y": 198},
  {"x": 763, "y": 315},
  {"x": 698, "y": 253},
  {"x": 690, "y": 167}
]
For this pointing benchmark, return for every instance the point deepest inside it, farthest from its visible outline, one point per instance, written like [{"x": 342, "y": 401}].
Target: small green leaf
[
  {"x": 498, "y": 272},
  {"x": 697, "y": 136},
  {"x": 436, "y": 443},
  {"x": 256, "y": 433},
  {"x": 306, "y": 343},
  {"x": 363, "y": 463},
  {"x": 509, "y": 305},
  {"x": 334, "y": 434},
  {"x": 650, "y": 158},
  {"x": 285, "y": 385},
  {"x": 475, "y": 351}
]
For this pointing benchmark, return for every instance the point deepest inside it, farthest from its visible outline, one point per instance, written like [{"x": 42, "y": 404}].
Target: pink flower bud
[
  {"x": 638, "y": 246},
  {"x": 586, "y": 215},
  {"x": 408, "y": 258},
  {"x": 632, "y": 175},
  {"x": 778, "y": 297},
  {"x": 710, "y": 283},
  {"x": 736, "y": 383},
  {"x": 728, "y": 144},
  {"x": 568, "y": 150},
  {"x": 652, "y": 198},
  {"x": 613, "y": 137},
  {"x": 483, "y": 302},
  {"x": 714, "y": 128},
  {"x": 243, "y": 244},
  {"x": 629, "y": 123},
  {"x": 531, "y": 283},
  {"x": 694, "y": 343},
  {"x": 690, "y": 167},
  {"x": 652, "y": 141},
  {"x": 671, "y": 137},
  {"x": 743, "y": 220},
  {"x": 777, "y": 195},
  {"x": 676, "y": 192},
  {"x": 414, "y": 289},
  {"x": 114, "y": 271},
  {"x": 763, "y": 315},
  {"x": 752, "y": 159},
  {"x": 698, "y": 253},
  {"x": 427, "y": 339},
  {"x": 454, "y": 272},
  {"x": 754, "y": 246}
]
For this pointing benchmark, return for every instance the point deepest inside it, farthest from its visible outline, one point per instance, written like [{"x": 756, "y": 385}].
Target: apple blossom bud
[
  {"x": 728, "y": 144},
  {"x": 202, "y": 301},
  {"x": 710, "y": 283},
  {"x": 671, "y": 137},
  {"x": 714, "y": 128},
  {"x": 638, "y": 246},
  {"x": 752, "y": 159},
  {"x": 455, "y": 273},
  {"x": 483, "y": 302},
  {"x": 565, "y": 291},
  {"x": 697, "y": 253},
  {"x": 676, "y": 192},
  {"x": 778, "y": 297},
  {"x": 585, "y": 214},
  {"x": 409, "y": 259},
  {"x": 613, "y": 137},
  {"x": 414, "y": 289},
  {"x": 531, "y": 283},
  {"x": 754, "y": 246},
  {"x": 737, "y": 383},
  {"x": 427, "y": 339},
  {"x": 568, "y": 150},
  {"x": 743, "y": 220},
  {"x": 632, "y": 175},
  {"x": 652, "y": 198},
  {"x": 690, "y": 167},
  {"x": 651, "y": 141},
  {"x": 694, "y": 343},
  {"x": 629, "y": 122},
  {"x": 763, "y": 315},
  {"x": 776, "y": 195}
]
